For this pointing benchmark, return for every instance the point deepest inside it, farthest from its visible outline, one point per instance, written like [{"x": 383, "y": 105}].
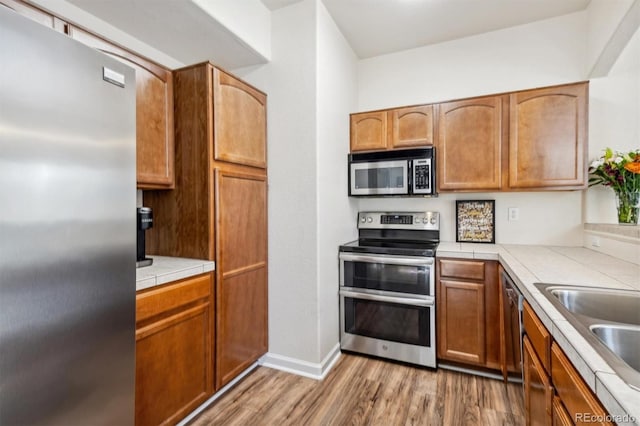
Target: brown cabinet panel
[
  {"x": 464, "y": 269},
  {"x": 411, "y": 126},
  {"x": 240, "y": 130},
  {"x": 576, "y": 396},
  {"x": 369, "y": 131},
  {"x": 547, "y": 143},
  {"x": 470, "y": 144},
  {"x": 154, "y": 113},
  {"x": 560, "y": 417},
  {"x": 241, "y": 272},
  {"x": 461, "y": 321},
  {"x": 241, "y": 322},
  {"x": 35, "y": 14},
  {"x": 539, "y": 337},
  {"x": 538, "y": 392},
  {"x": 174, "y": 366},
  {"x": 468, "y": 312}
]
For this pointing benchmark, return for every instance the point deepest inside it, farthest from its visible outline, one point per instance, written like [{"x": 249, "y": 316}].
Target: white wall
[
  {"x": 290, "y": 82},
  {"x": 311, "y": 86},
  {"x": 538, "y": 54},
  {"x": 543, "y": 53},
  {"x": 614, "y": 121},
  {"x": 603, "y": 19},
  {"x": 336, "y": 95}
]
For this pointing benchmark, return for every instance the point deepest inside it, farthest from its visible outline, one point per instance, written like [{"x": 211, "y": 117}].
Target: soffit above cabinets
[{"x": 187, "y": 31}]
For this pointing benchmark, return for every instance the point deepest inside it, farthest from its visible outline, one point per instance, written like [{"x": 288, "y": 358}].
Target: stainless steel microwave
[{"x": 409, "y": 172}]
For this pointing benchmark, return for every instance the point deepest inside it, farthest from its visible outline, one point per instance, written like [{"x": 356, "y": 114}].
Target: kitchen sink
[
  {"x": 609, "y": 305},
  {"x": 622, "y": 341},
  {"x": 609, "y": 319}
]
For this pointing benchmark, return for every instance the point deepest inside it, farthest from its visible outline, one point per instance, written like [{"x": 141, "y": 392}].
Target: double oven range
[{"x": 387, "y": 287}]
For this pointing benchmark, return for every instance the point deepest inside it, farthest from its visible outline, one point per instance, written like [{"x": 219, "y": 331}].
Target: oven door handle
[
  {"x": 420, "y": 261},
  {"x": 389, "y": 299}
]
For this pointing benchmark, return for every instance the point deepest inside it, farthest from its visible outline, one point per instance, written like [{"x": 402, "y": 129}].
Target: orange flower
[{"x": 633, "y": 167}]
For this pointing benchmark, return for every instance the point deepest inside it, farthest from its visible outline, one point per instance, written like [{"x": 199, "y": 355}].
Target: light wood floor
[{"x": 366, "y": 391}]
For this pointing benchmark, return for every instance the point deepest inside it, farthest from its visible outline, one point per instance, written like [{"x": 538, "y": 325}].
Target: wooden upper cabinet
[
  {"x": 369, "y": 131},
  {"x": 240, "y": 121},
  {"x": 548, "y": 134},
  {"x": 154, "y": 113},
  {"x": 35, "y": 14},
  {"x": 411, "y": 126},
  {"x": 407, "y": 127},
  {"x": 470, "y": 144}
]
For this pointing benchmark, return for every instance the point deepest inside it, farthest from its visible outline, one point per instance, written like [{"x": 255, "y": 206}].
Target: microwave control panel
[{"x": 422, "y": 176}]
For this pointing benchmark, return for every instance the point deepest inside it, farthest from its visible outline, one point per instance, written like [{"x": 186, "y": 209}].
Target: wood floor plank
[{"x": 361, "y": 390}]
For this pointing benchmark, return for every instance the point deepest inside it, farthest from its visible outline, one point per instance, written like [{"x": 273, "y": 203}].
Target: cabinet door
[
  {"x": 240, "y": 121},
  {"x": 576, "y": 397},
  {"x": 560, "y": 417},
  {"x": 412, "y": 126},
  {"x": 548, "y": 135},
  {"x": 174, "y": 365},
  {"x": 538, "y": 392},
  {"x": 470, "y": 144},
  {"x": 241, "y": 270},
  {"x": 35, "y": 14},
  {"x": 461, "y": 321},
  {"x": 154, "y": 113},
  {"x": 369, "y": 131}
]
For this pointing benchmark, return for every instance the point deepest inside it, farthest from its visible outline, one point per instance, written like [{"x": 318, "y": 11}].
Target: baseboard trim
[
  {"x": 216, "y": 395},
  {"x": 317, "y": 371}
]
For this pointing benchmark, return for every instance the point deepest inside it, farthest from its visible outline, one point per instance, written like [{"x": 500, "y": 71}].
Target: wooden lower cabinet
[
  {"x": 468, "y": 315},
  {"x": 580, "y": 402},
  {"x": 174, "y": 364},
  {"x": 538, "y": 392},
  {"x": 559, "y": 416},
  {"x": 554, "y": 392}
]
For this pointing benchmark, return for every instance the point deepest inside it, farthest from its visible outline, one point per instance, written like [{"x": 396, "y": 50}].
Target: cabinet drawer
[
  {"x": 538, "y": 335},
  {"x": 465, "y": 269},
  {"x": 168, "y": 297},
  {"x": 581, "y": 404}
]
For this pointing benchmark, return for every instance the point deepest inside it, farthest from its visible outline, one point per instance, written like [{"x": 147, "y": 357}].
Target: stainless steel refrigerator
[{"x": 67, "y": 230}]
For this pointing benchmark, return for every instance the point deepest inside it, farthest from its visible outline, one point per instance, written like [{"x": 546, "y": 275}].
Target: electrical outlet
[
  {"x": 514, "y": 214},
  {"x": 595, "y": 242}
]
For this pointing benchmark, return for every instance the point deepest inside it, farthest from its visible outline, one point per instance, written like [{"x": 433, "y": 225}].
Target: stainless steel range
[{"x": 387, "y": 287}]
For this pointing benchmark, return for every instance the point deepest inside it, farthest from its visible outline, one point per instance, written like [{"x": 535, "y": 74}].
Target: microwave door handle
[
  {"x": 427, "y": 261},
  {"x": 389, "y": 299}
]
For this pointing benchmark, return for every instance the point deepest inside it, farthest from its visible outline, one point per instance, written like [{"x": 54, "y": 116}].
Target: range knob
[
  {"x": 425, "y": 220},
  {"x": 363, "y": 219},
  {"x": 369, "y": 219},
  {"x": 433, "y": 220}
]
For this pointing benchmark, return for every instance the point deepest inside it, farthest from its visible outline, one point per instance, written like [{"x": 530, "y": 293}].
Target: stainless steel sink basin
[
  {"x": 608, "y": 319},
  {"x": 622, "y": 341},
  {"x": 609, "y": 305}
]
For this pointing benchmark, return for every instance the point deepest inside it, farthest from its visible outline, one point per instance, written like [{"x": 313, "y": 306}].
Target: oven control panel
[{"x": 401, "y": 220}]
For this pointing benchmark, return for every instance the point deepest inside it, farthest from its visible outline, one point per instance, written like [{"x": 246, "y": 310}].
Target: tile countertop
[
  {"x": 167, "y": 269},
  {"x": 569, "y": 266}
]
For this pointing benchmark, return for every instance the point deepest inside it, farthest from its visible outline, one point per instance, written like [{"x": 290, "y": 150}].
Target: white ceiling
[
  {"x": 185, "y": 32},
  {"x": 376, "y": 27}
]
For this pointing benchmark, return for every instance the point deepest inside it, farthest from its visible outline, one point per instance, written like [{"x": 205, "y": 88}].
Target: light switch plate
[{"x": 514, "y": 214}]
